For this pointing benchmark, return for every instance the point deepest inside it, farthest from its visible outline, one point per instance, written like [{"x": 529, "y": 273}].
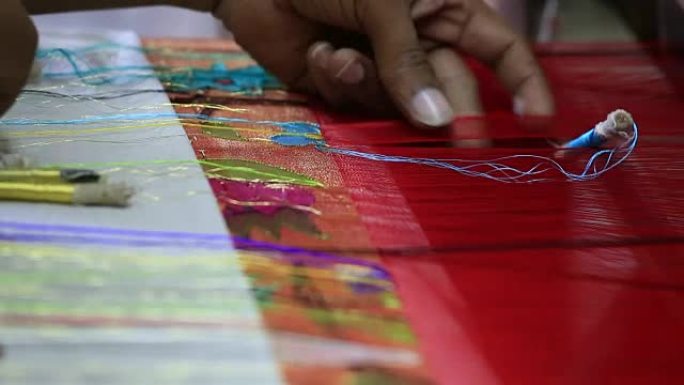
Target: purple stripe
[
  {"x": 113, "y": 231},
  {"x": 292, "y": 255},
  {"x": 245, "y": 243},
  {"x": 98, "y": 236},
  {"x": 81, "y": 240},
  {"x": 33, "y": 238}
]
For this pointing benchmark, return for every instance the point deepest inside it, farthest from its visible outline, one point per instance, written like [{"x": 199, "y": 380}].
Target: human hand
[
  {"x": 18, "y": 51},
  {"x": 414, "y": 44}
]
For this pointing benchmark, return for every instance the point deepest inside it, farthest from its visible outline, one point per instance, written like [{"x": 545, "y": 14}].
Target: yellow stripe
[
  {"x": 31, "y": 176},
  {"x": 152, "y": 124}
]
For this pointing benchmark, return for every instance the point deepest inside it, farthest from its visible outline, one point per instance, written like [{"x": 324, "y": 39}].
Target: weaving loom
[{"x": 336, "y": 269}]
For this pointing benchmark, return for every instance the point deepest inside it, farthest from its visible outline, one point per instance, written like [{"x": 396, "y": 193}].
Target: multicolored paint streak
[{"x": 335, "y": 323}]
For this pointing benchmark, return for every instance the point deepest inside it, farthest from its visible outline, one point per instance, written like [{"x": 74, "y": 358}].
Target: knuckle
[
  {"x": 410, "y": 59},
  {"x": 403, "y": 66}
]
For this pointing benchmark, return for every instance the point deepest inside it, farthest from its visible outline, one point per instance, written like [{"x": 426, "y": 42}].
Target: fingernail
[
  {"x": 351, "y": 73},
  {"x": 317, "y": 54},
  {"x": 430, "y": 107}
]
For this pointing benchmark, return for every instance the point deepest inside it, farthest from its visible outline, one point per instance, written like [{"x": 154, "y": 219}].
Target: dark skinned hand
[
  {"x": 374, "y": 54},
  {"x": 379, "y": 54}
]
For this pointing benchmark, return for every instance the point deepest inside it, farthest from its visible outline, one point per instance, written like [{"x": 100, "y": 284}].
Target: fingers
[
  {"x": 458, "y": 82},
  {"x": 402, "y": 64},
  {"x": 318, "y": 58},
  {"x": 345, "y": 78},
  {"x": 488, "y": 38},
  {"x": 519, "y": 71},
  {"x": 469, "y": 128},
  {"x": 477, "y": 30}
]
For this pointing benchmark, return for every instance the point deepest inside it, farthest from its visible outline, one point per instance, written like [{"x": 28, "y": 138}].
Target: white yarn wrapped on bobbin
[{"x": 619, "y": 123}]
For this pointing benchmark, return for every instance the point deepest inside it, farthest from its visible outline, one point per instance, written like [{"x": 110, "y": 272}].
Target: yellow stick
[
  {"x": 100, "y": 194},
  {"x": 52, "y": 193}
]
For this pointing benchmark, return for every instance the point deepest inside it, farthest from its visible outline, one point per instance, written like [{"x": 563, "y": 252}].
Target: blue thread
[
  {"x": 150, "y": 116},
  {"x": 301, "y": 128},
  {"x": 292, "y": 136},
  {"x": 295, "y": 140},
  {"x": 73, "y": 61},
  {"x": 497, "y": 170},
  {"x": 250, "y": 79}
]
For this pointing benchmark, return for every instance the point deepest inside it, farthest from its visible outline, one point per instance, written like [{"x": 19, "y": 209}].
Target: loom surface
[
  {"x": 398, "y": 273},
  {"x": 135, "y": 296}
]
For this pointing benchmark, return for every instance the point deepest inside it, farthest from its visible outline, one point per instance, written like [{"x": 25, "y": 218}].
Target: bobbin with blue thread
[
  {"x": 588, "y": 139},
  {"x": 618, "y": 124}
]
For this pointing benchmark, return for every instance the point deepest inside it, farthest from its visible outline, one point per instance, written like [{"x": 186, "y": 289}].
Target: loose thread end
[{"x": 103, "y": 194}]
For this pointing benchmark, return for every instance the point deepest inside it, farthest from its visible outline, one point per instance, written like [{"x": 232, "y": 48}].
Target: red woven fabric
[{"x": 552, "y": 283}]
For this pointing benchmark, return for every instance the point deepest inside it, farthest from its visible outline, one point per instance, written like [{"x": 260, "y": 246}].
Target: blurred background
[{"x": 540, "y": 20}]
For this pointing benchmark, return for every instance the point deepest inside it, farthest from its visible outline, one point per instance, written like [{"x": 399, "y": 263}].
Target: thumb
[{"x": 403, "y": 65}]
